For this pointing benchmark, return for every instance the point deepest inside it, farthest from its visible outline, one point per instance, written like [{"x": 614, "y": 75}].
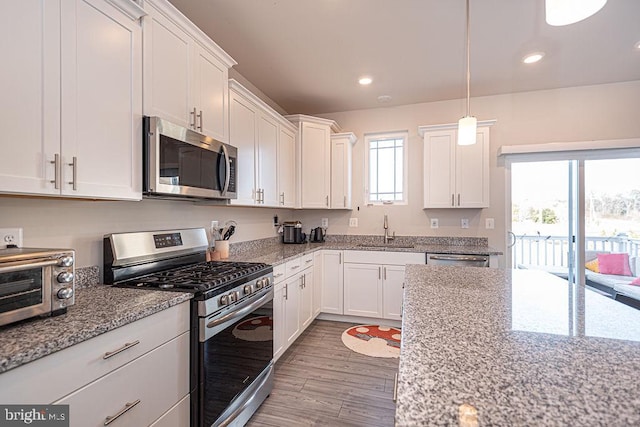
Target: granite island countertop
[
  {"x": 97, "y": 309},
  {"x": 521, "y": 346}
]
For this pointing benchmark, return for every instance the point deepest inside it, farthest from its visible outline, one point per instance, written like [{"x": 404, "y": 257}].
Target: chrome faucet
[{"x": 387, "y": 238}]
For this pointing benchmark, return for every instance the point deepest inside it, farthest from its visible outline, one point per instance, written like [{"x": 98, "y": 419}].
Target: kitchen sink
[{"x": 383, "y": 246}]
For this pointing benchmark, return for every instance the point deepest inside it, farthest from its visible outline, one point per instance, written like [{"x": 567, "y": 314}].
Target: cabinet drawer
[
  {"x": 306, "y": 261},
  {"x": 178, "y": 416},
  {"x": 157, "y": 381},
  {"x": 293, "y": 266},
  {"x": 59, "y": 374},
  {"x": 279, "y": 273},
  {"x": 386, "y": 257}
]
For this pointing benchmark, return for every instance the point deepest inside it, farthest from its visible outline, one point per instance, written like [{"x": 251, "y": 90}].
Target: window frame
[{"x": 375, "y": 136}]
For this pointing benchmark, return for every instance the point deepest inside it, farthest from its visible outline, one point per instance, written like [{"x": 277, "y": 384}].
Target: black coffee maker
[
  {"x": 292, "y": 232},
  {"x": 317, "y": 235}
]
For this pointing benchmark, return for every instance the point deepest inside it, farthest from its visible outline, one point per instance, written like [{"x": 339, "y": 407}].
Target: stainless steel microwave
[{"x": 182, "y": 163}]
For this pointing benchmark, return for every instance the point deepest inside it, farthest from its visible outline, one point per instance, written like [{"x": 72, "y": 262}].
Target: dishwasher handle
[{"x": 458, "y": 258}]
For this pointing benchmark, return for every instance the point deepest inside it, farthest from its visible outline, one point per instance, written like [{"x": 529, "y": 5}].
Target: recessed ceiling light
[
  {"x": 533, "y": 57},
  {"x": 365, "y": 81},
  {"x": 384, "y": 98}
]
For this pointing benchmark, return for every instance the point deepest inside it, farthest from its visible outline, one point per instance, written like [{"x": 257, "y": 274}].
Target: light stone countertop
[
  {"x": 97, "y": 309},
  {"x": 521, "y": 346}
]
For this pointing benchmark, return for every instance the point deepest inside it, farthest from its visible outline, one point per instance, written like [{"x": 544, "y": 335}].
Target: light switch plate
[
  {"x": 464, "y": 223},
  {"x": 325, "y": 223},
  {"x": 353, "y": 222},
  {"x": 434, "y": 223},
  {"x": 10, "y": 236},
  {"x": 490, "y": 223}
]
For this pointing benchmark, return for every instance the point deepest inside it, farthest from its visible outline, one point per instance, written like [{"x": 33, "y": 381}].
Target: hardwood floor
[{"x": 320, "y": 382}]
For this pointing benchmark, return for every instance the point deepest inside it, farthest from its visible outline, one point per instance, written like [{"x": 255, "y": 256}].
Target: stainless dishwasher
[{"x": 458, "y": 259}]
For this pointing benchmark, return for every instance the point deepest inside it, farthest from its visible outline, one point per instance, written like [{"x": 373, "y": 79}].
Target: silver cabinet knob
[
  {"x": 65, "y": 277},
  {"x": 66, "y": 261},
  {"x": 65, "y": 293},
  {"x": 247, "y": 289}
]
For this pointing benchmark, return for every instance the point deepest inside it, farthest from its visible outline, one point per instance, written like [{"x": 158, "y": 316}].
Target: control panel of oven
[
  {"x": 63, "y": 277},
  {"x": 239, "y": 293}
]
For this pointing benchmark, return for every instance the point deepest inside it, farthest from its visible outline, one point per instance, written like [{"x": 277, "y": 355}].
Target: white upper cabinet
[
  {"x": 185, "y": 73},
  {"x": 266, "y": 144},
  {"x": 313, "y": 153},
  {"x": 455, "y": 176},
  {"x": 341, "y": 149},
  {"x": 73, "y": 111}
]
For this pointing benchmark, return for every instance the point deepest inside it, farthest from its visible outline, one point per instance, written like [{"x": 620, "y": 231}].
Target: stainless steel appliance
[
  {"x": 458, "y": 259},
  {"x": 179, "y": 163},
  {"x": 35, "y": 282},
  {"x": 292, "y": 232},
  {"x": 231, "y": 316},
  {"x": 317, "y": 235}
]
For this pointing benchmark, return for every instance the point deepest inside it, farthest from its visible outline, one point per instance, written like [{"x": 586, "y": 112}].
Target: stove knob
[
  {"x": 65, "y": 293},
  {"x": 65, "y": 277},
  {"x": 224, "y": 300},
  {"x": 259, "y": 284},
  {"x": 268, "y": 281},
  {"x": 65, "y": 261},
  {"x": 247, "y": 289}
]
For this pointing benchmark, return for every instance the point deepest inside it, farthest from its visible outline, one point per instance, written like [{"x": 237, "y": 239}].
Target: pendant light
[
  {"x": 467, "y": 125},
  {"x": 565, "y": 12}
]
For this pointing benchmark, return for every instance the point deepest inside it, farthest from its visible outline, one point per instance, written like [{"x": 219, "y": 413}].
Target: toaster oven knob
[
  {"x": 65, "y": 261},
  {"x": 65, "y": 293},
  {"x": 247, "y": 289},
  {"x": 65, "y": 277}
]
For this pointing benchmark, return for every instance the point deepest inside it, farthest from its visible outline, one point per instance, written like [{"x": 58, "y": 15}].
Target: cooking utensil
[{"x": 229, "y": 232}]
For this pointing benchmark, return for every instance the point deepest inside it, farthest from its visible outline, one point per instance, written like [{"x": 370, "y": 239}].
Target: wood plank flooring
[{"x": 320, "y": 382}]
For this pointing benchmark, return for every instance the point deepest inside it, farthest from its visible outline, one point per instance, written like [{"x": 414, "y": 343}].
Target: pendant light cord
[{"x": 468, "y": 72}]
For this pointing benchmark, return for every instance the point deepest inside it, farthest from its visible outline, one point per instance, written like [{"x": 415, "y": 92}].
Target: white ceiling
[{"x": 307, "y": 55}]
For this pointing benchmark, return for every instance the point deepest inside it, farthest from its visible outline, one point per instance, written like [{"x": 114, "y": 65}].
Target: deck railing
[{"x": 554, "y": 250}]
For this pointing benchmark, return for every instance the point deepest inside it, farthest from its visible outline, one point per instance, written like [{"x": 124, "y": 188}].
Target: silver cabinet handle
[
  {"x": 395, "y": 387},
  {"x": 327, "y": 201},
  {"x": 74, "y": 172},
  {"x": 295, "y": 266},
  {"x": 126, "y": 346},
  {"x": 458, "y": 199},
  {"x": 282, "y": 198},
  {"x": 339, "y": 257},
  {"x": 56, "y": 171},
  {"x": 286, "y": 291},
  {"x": 193, "y": 113},
  {"x": 384, "y": 270},
  {"x": 452, "y": 200},
  {"x": 201, "y": 120},
  {"x": 379, "y": 272},
  {"x": 278, "y": 275},
  {"x": 128, "y": 406},
  {"x": 262, "y": 197},
  {"x": 308, "y": 261}
]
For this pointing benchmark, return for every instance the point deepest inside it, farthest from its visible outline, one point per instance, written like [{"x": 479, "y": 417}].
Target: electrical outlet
[
  {"x": 434, "y": 223},
  {"x": 490, "y": 223},
  {"x": 325, "y": 222},
  {"x": 464, "y": 223},
  {"x": 353, "y": 222},
  {"x": 10, "y": 236}
]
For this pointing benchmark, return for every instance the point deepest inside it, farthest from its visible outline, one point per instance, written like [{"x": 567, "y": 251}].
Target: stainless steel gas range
[{"x": 231, "y": 316}]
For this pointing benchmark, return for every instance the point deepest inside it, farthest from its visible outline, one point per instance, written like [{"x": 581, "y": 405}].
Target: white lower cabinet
[
  {"x": 291, "y": 309},
  {"x": 306, "y": 298},
  {"x": 392, "y": 289},
  {"x": 147, "y": 360},
  {"x": 332, "y": 282},
  {"x": 178, "y": 416},
  {"x": 363, "y": 290},
  {"x": 318, "y": 278}
]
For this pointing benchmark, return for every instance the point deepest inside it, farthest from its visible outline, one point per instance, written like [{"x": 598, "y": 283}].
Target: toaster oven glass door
[{"x": 24, "y": 293}]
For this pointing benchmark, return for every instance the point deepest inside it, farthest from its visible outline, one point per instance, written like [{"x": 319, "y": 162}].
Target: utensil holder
[{"x": 222, "y": 246}]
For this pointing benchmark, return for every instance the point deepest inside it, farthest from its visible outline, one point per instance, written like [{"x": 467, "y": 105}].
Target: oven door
[
  {"x": 235, "y": 348},
  {"x": 25, "y": 290}
]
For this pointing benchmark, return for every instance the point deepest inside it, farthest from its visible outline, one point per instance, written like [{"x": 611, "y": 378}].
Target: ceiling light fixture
[
  {"x": 468, "y": 125},
  {"x": 565, "y": 12},
  {"x": 533, "y": 57},
  {"x": 365, "y": 81}
]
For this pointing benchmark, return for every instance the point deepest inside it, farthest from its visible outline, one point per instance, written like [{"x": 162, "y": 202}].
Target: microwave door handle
[{"x": 227, "y": 170}]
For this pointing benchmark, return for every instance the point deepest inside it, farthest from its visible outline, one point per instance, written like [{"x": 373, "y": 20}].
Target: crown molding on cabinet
[
  {"x": 170, "y": 12},
  {"x": 129, "y": 8},
  {"x": 579, "y": 146},
  {"x": 251, "y": 97},
  {"x": 449, "y": 126},
  {"x": 350, "y": 135},
  {"x": 297, "y": 118}
]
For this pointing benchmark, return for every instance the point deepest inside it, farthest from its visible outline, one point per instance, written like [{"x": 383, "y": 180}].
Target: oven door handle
[
  {"x": 241, "y": 311},
  {"x": 20, "y": 265}
]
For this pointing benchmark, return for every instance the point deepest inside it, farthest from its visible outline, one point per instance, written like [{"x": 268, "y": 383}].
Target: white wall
[{"x": 563, "y": 115}]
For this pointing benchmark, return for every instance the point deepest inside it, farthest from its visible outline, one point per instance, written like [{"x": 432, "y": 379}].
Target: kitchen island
[{"x": 521, "y": 347}]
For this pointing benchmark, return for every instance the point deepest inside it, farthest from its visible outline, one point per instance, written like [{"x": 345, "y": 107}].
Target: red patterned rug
[{"x": 373, "y": 340}]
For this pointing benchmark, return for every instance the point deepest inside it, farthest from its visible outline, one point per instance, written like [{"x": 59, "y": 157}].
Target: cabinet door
[
  {"x": 286, "y": 168},
  {"x": 243, "y": 118},
  {"x": 306, "y": 298},
  {"x": 392, "y": 290},
  {"x": 363, "y": 290},
  {"x": 439, "y": 163},
  {"x": 472, "y": 172},
  {"x": 101, "y": 101},
  {"x": 267, "y": 154},
  {"x": 316, "y": 168},
  {"x": 30, "y": 101},
  {"x": 167, "y": 70},
  {"x": 318, "y": 279},
  {"x": 340, "y": 173},
  {"x": 210, "y": 88},
  {"x": 332, "y": 282},
  {"x": 278, "y": 321},
  {"x": 291, "y": 309}
]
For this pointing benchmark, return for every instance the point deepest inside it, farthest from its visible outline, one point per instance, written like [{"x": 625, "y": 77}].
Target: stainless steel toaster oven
[{"x": 35, "y": 282}]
